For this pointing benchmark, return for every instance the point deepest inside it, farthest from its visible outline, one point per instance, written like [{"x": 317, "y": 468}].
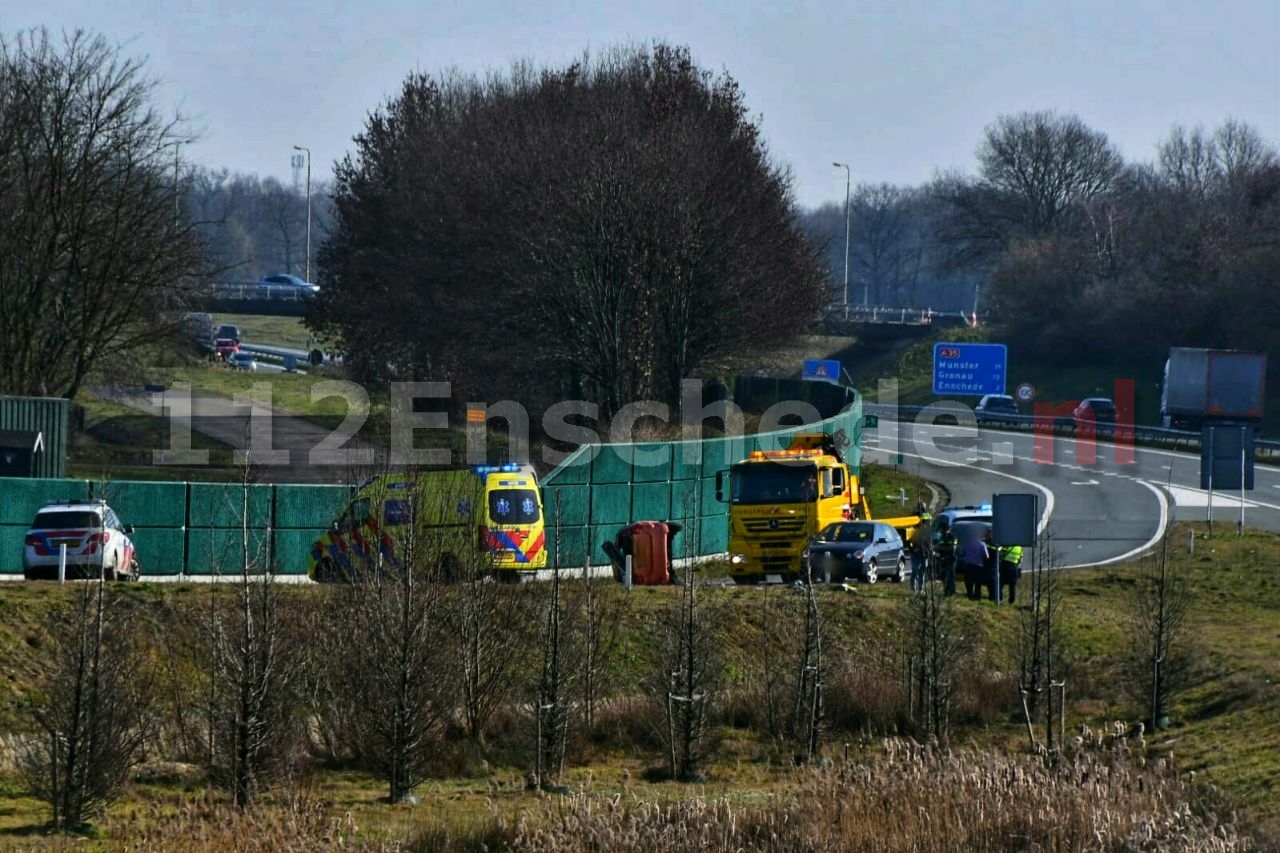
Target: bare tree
[
  {"x": 779, "y": 637},
  {"x": 394, "y": 670},
  {"x": 253, "y": 670},
  {"x": 933, "y": 652},
  {"x": 1034, "y": 169},
  {"x": 94, "y": 707},
  {"x": 888, "y": 244},
  {"x": 95, "y": 245},
  {"x": 1039, "y": 639},
  {"x": 807, "y": 717},
  {"x": 688, "y": 668},
  {"x": 623, "y": 207},
  {"x": 596, "y": 640},
  {"x": 1161, "y": 660},
  {"x": 488, "y": 628},
  {"x": 554, "y": 686}
]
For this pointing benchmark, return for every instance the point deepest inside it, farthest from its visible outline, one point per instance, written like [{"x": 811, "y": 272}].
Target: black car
[
  {"x": 996, "y": 409},
  {"x": 948, "y": 516},
  {"x": 866, "y": 550},
  {"x": 1095, "y": 413}
]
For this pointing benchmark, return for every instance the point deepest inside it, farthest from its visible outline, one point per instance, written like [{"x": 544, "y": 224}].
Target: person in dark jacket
[
  {"x": 944, "y": 561},
  {"x": 991, "y": 578},
  {"x": 921, "y": 546},
  {"x": 972, "y": 556}
]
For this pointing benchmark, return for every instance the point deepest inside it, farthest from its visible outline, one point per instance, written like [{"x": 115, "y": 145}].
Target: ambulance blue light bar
[{"x": 505, "y": 468}]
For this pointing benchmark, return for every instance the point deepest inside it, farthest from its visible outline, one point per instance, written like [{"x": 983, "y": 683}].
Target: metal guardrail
[
  {"x": 885, "y": 314},
  {"x": 1267, "y": 450},
  {"x": 258, "y": 290},
  {"x": 302, "y": 358}
]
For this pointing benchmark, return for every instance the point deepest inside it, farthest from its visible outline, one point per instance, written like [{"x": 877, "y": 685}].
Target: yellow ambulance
[{"x": 491, "y": 512}]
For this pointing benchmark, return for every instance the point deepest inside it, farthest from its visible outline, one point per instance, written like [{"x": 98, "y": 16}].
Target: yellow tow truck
[{"x": 780, "y": 499}]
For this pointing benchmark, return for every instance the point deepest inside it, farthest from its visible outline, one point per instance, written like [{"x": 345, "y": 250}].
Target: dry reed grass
[{"x": 911, "y": 798}]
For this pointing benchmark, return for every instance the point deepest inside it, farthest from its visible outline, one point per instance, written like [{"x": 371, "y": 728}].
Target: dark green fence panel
[
  {"x": 599, "y": 534},
  {"x": 220, "y": 550},
  {"x": 291, "y": 549},
  {"x": 161, "y": 551},
  {"x": 12, "y": 537},
  {"x": 21, "y": 497},
  {"x": 145, "y": 504},
  {"x": 612, "y": 464},
  {"x": 566, "y": 505},
  {"x": 714, "y": 535},
  {"x": 686, "y": 461},
  {"x": 611, "y": 503},
  {"x": 651, "y": 462},
  {"x": 651, "y": 502},
  {"x": 309, "y": 507},
  {"x": 569, "y": 545},
  {"x": 223, "y": 505},
  {"x": 718, "y": 454}
]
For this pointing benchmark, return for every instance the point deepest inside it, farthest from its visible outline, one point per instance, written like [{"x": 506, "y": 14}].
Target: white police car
[{"x": 97, "y": 542}]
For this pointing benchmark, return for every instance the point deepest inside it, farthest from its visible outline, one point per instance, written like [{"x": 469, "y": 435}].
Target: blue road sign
[
  {"x": 821, "y": 370},
  {"x": 969, "y": 369}
]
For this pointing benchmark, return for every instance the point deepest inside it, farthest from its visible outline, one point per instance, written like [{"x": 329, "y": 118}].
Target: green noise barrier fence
[
  {"x": 600, "y": 488},
  {"x": 201, "y": 529},
  {"x": 187, "y": 528}
]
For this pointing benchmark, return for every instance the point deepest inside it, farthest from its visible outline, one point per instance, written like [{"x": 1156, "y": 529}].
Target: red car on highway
[{"x": 224, "y": 348}]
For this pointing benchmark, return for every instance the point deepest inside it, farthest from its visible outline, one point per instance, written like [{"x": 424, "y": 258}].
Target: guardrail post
[{"x": 62, "y": 563}]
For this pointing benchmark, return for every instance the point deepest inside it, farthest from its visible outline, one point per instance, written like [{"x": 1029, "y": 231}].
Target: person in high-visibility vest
[{"x": 1010, "y": 570}]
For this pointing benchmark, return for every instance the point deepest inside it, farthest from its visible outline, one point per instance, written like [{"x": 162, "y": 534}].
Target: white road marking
[
  {"x": 1183, "y": 496},
  {"x": 1048, "y": 495},
  {"x": 1086, "y": 483},
  {"x": 1161, "y": 526}
]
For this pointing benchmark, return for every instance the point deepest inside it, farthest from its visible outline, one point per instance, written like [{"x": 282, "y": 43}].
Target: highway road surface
[{"x": 1099, "y": 507}]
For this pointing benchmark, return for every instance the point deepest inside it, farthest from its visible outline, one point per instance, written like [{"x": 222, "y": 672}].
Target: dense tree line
[
  {"x": 1073, "y": 248},
  {"x": 255, "y": 226},
  {"x": 109, "y": 235},
  {"x": 602, "y": 229},
  {"x": 94, "y": 254}
]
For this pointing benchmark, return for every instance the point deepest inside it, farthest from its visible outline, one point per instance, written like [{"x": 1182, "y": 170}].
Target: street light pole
[
  {"x": 308, "y": 152},
  {"x": 848, "y": 177}
]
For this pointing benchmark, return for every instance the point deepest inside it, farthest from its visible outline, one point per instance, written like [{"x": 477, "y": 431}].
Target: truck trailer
[{"x": 1200, "y": 384}]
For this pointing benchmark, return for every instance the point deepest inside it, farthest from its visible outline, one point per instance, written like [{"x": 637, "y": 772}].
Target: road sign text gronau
[{"x": 969, "y": 369}]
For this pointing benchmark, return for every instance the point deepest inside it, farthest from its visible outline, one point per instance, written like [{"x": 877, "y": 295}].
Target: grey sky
[{"x": 897, "y": 89}]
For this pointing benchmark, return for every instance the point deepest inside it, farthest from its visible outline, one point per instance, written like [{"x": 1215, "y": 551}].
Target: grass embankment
[
  {"x": 119, "y": 443},
  {"x": 270, "y": 331},
  {"x": 1225, "y": 727}
]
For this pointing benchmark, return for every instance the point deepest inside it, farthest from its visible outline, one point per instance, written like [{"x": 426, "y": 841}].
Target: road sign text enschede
[{"x": 969, "y": 369}]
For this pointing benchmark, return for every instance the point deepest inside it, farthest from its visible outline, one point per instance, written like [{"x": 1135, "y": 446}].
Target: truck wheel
[{"x": 873, "y": 573}]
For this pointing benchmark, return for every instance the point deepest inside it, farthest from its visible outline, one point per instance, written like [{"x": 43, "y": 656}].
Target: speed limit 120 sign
[{"x": 1026, "y": 392}]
